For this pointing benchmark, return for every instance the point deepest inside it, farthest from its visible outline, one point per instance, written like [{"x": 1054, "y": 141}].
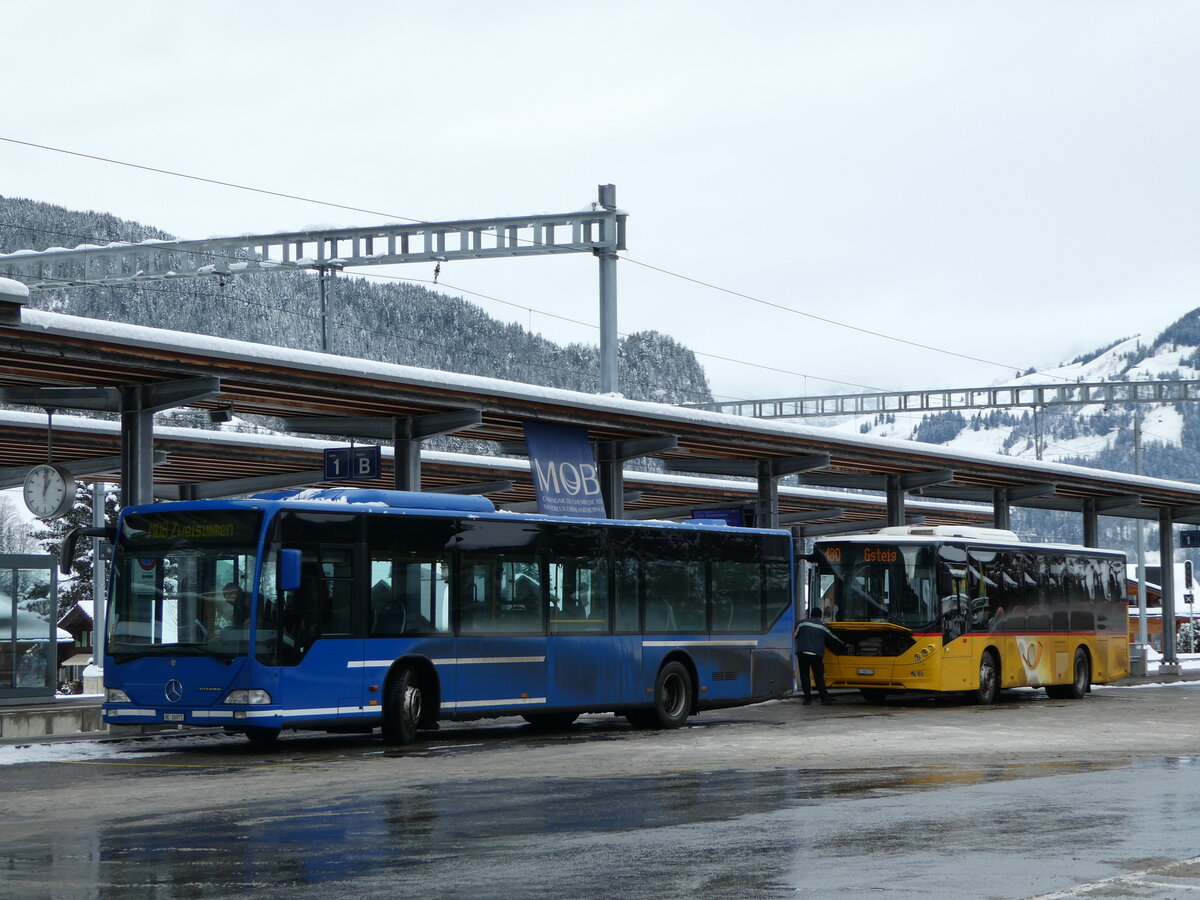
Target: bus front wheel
[
  {"x": 989, "y": 679},
  {"x": 262, "y": 737},
  {"x": 402, "y": 711}
]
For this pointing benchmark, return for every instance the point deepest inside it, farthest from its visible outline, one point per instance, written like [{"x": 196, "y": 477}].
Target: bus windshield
[
  {"x": 868, "y": 583},
  {"x": 183, "y": 584}
]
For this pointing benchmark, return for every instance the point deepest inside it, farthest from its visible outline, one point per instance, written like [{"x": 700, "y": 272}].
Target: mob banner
[{"x": 564, "y": 471}]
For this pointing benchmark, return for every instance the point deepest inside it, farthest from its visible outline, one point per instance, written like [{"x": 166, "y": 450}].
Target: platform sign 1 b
[
  {"x": 1190, "y": 538},
  {"x": 352, "y": 463}
]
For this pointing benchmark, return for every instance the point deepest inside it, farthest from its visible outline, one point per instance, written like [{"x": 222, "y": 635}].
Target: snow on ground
[{"x": 63, "y": 748}]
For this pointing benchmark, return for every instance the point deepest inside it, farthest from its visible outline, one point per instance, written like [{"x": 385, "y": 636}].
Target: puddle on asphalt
[{"x": 307, "y": 843}]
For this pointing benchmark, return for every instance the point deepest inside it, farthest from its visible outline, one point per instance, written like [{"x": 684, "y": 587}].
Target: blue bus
[{"x": 347, "y": 610}]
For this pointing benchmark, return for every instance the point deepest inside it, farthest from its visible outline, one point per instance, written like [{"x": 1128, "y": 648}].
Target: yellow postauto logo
[{"x": 1032, "y": 654}]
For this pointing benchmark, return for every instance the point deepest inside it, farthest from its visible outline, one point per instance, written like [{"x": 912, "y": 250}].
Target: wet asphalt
[{"x": 1030, "y": 798}]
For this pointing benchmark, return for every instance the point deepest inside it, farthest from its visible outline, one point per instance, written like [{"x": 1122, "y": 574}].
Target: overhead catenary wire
[
  {"x": 474, "y": 350},
  {"x": 473, "y": 293},
  {"x": 393, "y": 216}
]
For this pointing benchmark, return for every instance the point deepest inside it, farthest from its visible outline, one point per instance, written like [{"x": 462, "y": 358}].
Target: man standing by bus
[{"x": 812, "y": 637}]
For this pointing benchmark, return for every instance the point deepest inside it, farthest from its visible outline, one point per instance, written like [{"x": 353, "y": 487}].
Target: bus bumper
[
  {"x": 132, "y": 714},
  {"x": 875, "y": 673}
]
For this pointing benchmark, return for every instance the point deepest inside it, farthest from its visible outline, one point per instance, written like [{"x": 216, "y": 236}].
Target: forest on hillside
[{"x": 391, "y": 322}]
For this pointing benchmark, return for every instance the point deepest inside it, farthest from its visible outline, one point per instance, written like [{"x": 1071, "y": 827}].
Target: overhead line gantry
[
  {"x": 1031, "y": 396},
  {"x": 599, "y": 230}
]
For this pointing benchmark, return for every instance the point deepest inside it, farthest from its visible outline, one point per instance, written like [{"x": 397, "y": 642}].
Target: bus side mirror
[
  {"x": 68, "y": 545},
  {"x": 289, "y": 570}
]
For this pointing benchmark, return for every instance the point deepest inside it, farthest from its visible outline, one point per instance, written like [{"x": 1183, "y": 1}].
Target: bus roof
[
  {"x": 936, "y": 533},
  {"x": 438, "y": 503},
  {"x": 468, "y": 503}
]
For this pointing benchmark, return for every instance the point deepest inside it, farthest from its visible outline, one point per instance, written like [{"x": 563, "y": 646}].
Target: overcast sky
[{"x": 1014, "y": 181}]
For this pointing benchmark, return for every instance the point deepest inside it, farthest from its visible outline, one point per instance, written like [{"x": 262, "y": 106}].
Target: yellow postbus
[{"x": 974, "y": 610}]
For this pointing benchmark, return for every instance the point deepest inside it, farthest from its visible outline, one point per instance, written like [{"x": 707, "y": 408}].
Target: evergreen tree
[{"x": 1188, "y": 638}]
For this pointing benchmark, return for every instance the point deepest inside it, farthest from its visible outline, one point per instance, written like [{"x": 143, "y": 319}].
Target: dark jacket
[{"x": 812, "y": 636}]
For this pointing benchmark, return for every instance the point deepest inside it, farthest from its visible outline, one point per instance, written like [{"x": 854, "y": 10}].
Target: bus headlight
[
  {"x": 248, "y": 698},
  {"x": 116, "y": 695}
]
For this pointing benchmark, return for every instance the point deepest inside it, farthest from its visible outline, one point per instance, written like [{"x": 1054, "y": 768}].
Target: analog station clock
[{"x": 49, "y": 491}]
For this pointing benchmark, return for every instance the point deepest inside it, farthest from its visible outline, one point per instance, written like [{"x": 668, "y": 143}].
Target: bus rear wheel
[
  {"x": 672, "y": 695},
  {"x": 989, "y": 679},
  {"x": 402, "y": 709},
  {"x": 1081, "y": 678}
]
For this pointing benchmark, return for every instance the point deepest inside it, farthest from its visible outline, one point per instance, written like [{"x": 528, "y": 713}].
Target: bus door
[
  {"x": 954, "y": 600},
  {"x": 588, "y": 666},
  {"x": 322, "y": 623},
  {"x": 501, "y": 606}
]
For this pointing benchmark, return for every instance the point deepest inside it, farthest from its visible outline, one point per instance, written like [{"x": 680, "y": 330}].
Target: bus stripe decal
[
  {"x": 479, "y": 660},
  {"x": 699, "y": 643},
  {"x": 518, "y": 701}
]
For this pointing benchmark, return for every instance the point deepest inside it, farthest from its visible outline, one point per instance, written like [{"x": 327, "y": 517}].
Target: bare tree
[{"x": 15, "y": 529}]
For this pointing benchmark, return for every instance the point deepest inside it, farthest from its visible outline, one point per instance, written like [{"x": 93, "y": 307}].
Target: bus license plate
[
  {"x": 172, "y": 717},
  {"x": 866, "y": 671}
]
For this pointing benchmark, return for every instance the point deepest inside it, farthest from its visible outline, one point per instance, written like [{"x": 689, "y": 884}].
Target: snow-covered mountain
[
  {"x": 1100, "y": 436},
  {"x": 1097, "y": 436},
  {"x": 392, "y": 321}
]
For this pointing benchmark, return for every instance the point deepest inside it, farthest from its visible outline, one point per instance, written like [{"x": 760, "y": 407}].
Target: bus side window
[
  {"x": 737, "y": 596},
  {"x": 675, "y": 596},
  {"x": 581, "y": 589},
  {"x": 408, "y": 597},
  {"x": 626, "y": 589}
]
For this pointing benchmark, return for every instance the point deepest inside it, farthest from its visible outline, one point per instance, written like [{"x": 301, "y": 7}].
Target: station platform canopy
[
  {"x": 40, "y": 349},
  {"x": 200, "y": 463}
]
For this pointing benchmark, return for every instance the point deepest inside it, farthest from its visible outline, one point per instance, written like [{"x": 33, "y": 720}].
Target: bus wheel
[
  {"x": 402, "y": 710},
  {"x": 989, "y": 679},
  {"x": 262, "y": 737},
  {"x": 1082, "y": 676},
  {"x": 874, "y": 695},
  {"x": 550, "y": 721},
  {"x": 672, "y": 695}
]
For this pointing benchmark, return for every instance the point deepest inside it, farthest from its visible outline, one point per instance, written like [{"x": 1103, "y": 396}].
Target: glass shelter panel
[{"x": 28, "y": 646}]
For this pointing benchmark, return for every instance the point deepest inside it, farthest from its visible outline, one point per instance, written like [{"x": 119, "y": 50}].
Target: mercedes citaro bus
[{"x": 349, "y": 610}]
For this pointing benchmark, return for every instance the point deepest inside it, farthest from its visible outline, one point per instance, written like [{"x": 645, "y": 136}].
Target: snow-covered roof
[
  {"x": 735, "y": 435},
  {"x": 287, "y": 443}
]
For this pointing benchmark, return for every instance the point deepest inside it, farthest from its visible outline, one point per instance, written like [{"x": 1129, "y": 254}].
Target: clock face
[{"x": 49, "y": 491}]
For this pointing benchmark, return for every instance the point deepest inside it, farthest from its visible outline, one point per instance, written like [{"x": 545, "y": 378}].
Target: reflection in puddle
[{"x": 477, "y": 823}]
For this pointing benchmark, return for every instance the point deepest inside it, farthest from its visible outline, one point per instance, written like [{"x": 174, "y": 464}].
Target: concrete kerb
[{"x": 52, "y": 717}]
